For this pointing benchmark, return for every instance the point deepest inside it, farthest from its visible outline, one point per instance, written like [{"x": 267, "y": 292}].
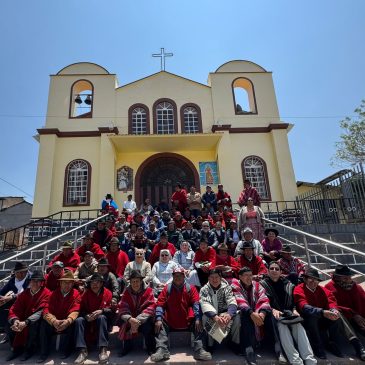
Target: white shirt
[{"x": 130, "y": 204}]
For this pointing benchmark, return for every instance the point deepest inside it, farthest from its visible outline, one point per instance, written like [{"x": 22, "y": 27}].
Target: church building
[{"x": 143, "y": 137}]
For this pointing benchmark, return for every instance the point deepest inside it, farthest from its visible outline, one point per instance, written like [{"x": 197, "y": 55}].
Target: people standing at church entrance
[
  {"x": 129, "y": 204},
  {"x": 178, "y": 198},
  {"x": 248, "y": 192},
  {"x": 194, "y": 200},
  {"x": 223, "y": 198},
  {"x": 252, "y": 216},
  {"x": 209, "y": 200}
]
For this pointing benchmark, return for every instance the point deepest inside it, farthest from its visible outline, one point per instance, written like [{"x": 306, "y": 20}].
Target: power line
[{"x": 16, "y": 187}]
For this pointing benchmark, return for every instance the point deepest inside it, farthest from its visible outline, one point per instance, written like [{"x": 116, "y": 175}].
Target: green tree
[{"x": 351, "y": 148}]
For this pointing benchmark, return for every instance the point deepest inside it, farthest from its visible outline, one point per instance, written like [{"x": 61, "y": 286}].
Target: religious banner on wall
[
  {"x": 208, "y": 173},
  {"x": 125, "y": 179}
]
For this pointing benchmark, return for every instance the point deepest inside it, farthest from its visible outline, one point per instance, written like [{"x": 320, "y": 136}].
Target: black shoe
[
  {"x": 65, "y": 355},
  {"x": 320, "y": 354},
  {"x": 27, "y": 355},
  {"x": 42, "y": 358},
  {"x": 332, "y": 347},
  {"x": 359, "y": 348},
  {"x": 127, "y": 347},
  {"x": 13, "y": 355},
  {"x": 251, "y": 357}
]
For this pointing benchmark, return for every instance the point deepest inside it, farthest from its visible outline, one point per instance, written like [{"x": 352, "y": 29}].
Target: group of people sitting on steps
[{"x": 150, "y": 276}]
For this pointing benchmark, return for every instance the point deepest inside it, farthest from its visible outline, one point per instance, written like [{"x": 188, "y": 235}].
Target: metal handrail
[
  {"x": 305, "y": 234},
  {"x": 42, "y": 244}
]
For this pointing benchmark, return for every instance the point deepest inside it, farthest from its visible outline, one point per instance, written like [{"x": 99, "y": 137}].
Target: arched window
[
  {"x": 244, "y": 96},
  {"x": 77, "y": 183},
  {"x": 191, "y": 121},
  {"x": 82, "y": 99},
  {"x": 139, "y": 120},
  {"x": 164, "y": 117},
  {"x": 254, "y": 169}
]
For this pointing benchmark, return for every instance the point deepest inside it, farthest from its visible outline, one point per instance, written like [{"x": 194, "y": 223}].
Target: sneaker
[
  {"x": 103, "y": 355},
  {"x": 82, "y": 357},
  {"x": 202, "y": 355},
  {"x": 160, "y": 355}
]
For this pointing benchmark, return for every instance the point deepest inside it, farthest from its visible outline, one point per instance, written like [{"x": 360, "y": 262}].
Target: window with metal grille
[
  {"x": 77, "y": 183},
  {"x": 139, "y": 121},
  {"x": 191, "y": 120},
  {"x": 254, "y": 169},
  {"x": 165, "y": 118}
]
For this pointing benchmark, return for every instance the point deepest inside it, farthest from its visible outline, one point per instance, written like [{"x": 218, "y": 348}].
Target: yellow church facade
[{"x": 143, "y": 137}]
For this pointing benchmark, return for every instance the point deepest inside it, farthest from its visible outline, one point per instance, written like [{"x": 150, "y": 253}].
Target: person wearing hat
[
  {"x": 152, "y": 234},
  {"x": 318, "y": 307},
  {"x": 68, "y": 257},
  {"x": 255, "y": 310},
  {"x": 249, "y": 259},
  {"x": 118, "y": 261},
  {"x": 280, "y": 293},
  {"x": 102, "y": 235},
  {"x": 57, "y": 270},
  {"x": 87, "y": 267},
  {"x": 94, "y": 320},
  {"x": 291, "y": 267},
  {"x": 271, "y": 245},
  {"x": 59, "y": 317},
  {"x": 136, "y": 311},
  {"x": 350, "y": 298},
  {"x": 158, "y": 221},
  {"x": 8, "y": 293},
  {"x": 89, "y": 245},
  {"x": 225, "y": 262},
  {"x": 194, "y": 201},
  {"x": 204, "y": 260},
  {"x": 110, "y": 280},
  {"x": 219, "y": 307},
  {"x": 247, "y": 236},
  {"x": 108, "y": 205},
  {"x": 178, "y": 198},
  {"x": 223, "y": 198},
  {"x": 24, "y": 317},
  {"x": 164, "y": 244},
  {"x": 178, "y": 309}
]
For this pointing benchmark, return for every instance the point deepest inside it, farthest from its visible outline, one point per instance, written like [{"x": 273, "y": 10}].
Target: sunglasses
[
  {"x": 163, "y": 255},
  {"x": 139, "y": 254},
  {"x": 274, "y": 269}
]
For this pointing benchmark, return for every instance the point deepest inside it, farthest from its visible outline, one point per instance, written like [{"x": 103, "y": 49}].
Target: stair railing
[
  {"x": 308, "y": 251},
  {"x": 44, "y": 245}
]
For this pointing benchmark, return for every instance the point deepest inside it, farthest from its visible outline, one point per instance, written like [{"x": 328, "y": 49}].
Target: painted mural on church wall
[
  {"x": 125, "y": 179},
  {"x": 208, "y": 173}
]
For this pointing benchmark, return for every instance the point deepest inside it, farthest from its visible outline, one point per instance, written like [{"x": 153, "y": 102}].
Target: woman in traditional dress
[{"x": 252, "y": 216}]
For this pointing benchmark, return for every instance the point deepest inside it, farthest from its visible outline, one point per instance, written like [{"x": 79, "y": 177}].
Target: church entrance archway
[{"x": 158, "y": 175}]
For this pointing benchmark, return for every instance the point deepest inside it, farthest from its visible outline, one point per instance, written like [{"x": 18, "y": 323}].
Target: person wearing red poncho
[
  {"x": 223, "y": 198},
  {"x": 68, "y": 257},
  {"x": 248, "y": 259},
  {"x": 204, "y": 260},
  {"x": 117, "y": 258},
  {"x": 89, "y": 245},
  {"x": 351, "y": 303},
  {"x": 178, "y": 308},
  {"x": 162, "y": 245},
  {"x": 319, "y": 309},
  {"x": 102, "y": 235},
  {"x": 94, "y": 319},
  {"x": 179, "y": 198},
  {"x": 226, "y": 263},
  {"x": 136, "y": 313},
  {"x": 24, "y": 318},
  {"x": 57, "y": 270},
  {"x": 248, "y": 192},
  {"x": 59, "y": 316}
]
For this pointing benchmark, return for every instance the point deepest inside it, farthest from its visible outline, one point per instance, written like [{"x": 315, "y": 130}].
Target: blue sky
[{"x": 314, "y": 48}]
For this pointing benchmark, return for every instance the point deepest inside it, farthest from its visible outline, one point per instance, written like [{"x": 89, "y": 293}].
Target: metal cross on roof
[{"x": 162, "y": 56}]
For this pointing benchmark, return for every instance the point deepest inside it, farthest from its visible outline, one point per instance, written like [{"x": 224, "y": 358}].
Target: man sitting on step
[
  {"x": 68, "y": 257},
  {"x": 178, "y": 309},
  {"x": 25, "y": 317},
  {"x": 351, "y": 303},
  {"x": 92, "y": 323},
  {"x": 59, "y": 317},
  {"x": 57, "y": 270},
  {"x": 292, "y": 267}
]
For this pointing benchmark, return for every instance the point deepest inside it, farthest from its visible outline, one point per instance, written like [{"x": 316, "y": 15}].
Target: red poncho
[
  {"x": 94, "y": 248},
  {"x": 155, "y": 255},
  {"x": 61, "y": 306},
  {"x": 256, "y": 264},
  {"x": 209, "y": 256},
  {"x": 118, "y": 261},
  {"x": 71, "y": 261},
  {"x": 181, "y": 197}
]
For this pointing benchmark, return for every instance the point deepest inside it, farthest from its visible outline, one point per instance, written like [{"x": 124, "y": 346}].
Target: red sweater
[
  {"x": 209, "y": 256},
  {"x": 91, "y": 302},
  {"x": 25, "y": 305},
  {"x": 256, "y": 264},
  {"x": 320, "y": 298},
  {"x": 95, "y": 249},
  {"x": 228, "y": 261},
  {"x": 61, "y": 306},
  {"x": 71, "y": 261},
  {"x": 181, "y": 197},
  {"x": 52, "y": 282},
  {"x": 155, "y": 255},
  {"x": 178, "y": 306},
  {"x": 118, "y": 261},
  {"x": 350, "y": 302}
]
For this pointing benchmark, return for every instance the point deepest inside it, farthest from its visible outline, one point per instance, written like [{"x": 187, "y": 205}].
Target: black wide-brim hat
[
  {"x": 37, "y": 275},
  {"x": 20, "y": 266},
  {"x": 275, "y": 231},
  {"x": 343, "y": 270},
  {"x": 312, "y": 273}
]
